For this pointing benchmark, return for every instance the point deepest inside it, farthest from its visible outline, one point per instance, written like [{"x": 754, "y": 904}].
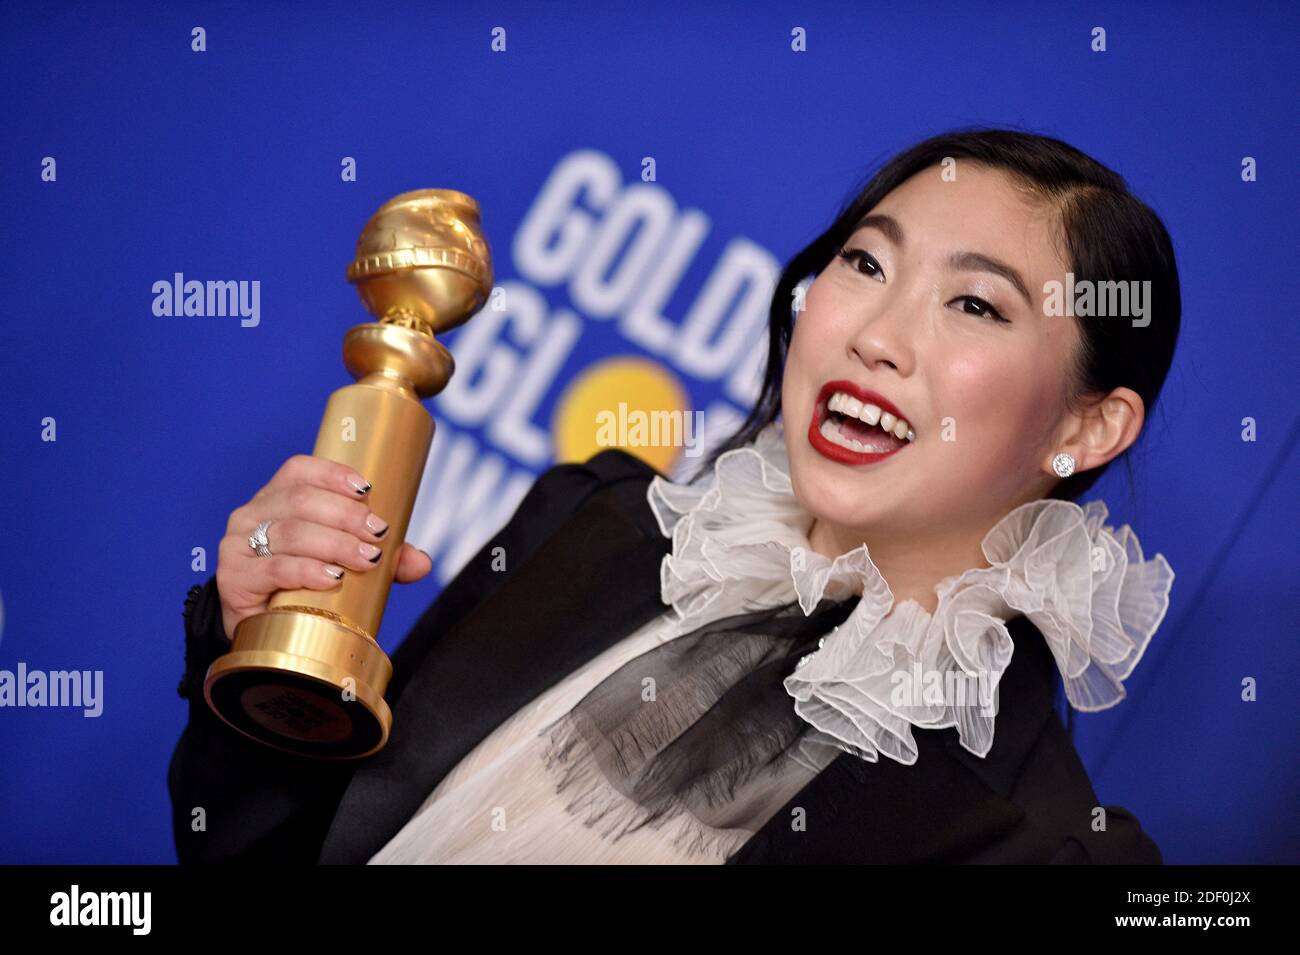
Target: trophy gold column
[{"x": 307, "y": 676}]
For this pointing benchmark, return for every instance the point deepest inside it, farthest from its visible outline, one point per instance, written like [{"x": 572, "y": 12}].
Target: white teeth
[
  {"x": 871, "y": 414},
  {"x": 831, "y": 432}
]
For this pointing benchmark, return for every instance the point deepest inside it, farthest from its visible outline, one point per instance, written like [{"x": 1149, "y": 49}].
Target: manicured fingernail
[
  {"x": 335, "y": 572},
  {"x": 377, "y": 526},
  {"x": 359, "y": 484},
  {"x": 370, "y": 552}
]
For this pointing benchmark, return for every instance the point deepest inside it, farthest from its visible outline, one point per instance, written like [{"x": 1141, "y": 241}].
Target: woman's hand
[{"x": 322, "y": 530}]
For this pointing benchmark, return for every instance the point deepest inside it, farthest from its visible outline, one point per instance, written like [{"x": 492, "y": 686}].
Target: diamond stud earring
[{"x": 1063, "y": 464}]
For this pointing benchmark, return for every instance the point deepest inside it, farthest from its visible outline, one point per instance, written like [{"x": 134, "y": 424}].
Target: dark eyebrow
[
  {"x": 967, "y": 261},
  {"x": 886, "y": 224},
  {"x": 975, "y": 262}
]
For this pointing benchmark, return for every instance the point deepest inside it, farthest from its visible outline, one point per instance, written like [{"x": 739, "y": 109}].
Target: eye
[
  {"x": 987, "y": 310},
  {"x": 856, "y": 256}
]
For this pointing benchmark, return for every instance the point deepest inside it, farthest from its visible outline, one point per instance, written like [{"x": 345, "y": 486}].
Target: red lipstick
[{"x": 834, "y": 451}]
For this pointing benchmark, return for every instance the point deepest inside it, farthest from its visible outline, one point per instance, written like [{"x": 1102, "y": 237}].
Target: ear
[{"x": 1102, "y": 429}]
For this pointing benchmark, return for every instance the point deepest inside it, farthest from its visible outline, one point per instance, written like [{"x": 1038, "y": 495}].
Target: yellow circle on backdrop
[{"x": 605, "y": 398}]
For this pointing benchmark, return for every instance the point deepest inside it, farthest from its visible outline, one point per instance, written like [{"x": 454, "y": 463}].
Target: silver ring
[{"x": 258, "y": 542}]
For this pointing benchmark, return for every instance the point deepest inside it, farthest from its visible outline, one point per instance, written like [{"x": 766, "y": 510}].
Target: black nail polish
[
  {"x": 365, "y": 490},
  {"x": 375, "y": 559},
  {"x": 338, "y": 576},
  {"x": 382, "y": 533}
]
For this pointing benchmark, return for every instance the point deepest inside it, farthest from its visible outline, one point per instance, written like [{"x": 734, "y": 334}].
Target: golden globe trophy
[{"x": 307, "y": 676}]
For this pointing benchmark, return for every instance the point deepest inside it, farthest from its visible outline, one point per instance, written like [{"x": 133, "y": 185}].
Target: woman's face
[{"x": 985, "y": 398}]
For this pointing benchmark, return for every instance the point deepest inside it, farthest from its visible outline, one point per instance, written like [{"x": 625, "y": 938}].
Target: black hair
[{"x": 1106, "y": 234}]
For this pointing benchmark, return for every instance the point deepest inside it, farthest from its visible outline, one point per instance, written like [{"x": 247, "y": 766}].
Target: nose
[{"x": 885, "y": 336}]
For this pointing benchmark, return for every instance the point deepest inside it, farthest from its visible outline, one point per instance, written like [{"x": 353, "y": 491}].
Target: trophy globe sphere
[{"x": 422, "y": 261}]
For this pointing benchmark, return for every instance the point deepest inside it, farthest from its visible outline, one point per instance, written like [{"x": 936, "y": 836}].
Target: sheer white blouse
[{"x": 499, "y": 804}]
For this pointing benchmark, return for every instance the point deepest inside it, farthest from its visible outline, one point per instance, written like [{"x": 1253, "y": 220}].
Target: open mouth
[{"x": 855, "y": 426}]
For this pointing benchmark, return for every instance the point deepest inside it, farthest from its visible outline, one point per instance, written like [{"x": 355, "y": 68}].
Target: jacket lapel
[{"x": 591, "y": 583}]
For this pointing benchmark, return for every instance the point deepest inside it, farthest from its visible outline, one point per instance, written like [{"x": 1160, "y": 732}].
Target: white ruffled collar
[{"x": 740, "y": 544}]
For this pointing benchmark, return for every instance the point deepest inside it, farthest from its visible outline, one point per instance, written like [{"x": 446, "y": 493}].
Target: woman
[{"x": 874, "y": 589}]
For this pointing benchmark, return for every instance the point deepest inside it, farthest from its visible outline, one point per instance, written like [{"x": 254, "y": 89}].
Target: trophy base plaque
[{"x": 305, "y": 684}]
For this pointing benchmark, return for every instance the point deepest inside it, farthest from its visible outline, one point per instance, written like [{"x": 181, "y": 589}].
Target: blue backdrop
[{"x": 229, "y": 164}]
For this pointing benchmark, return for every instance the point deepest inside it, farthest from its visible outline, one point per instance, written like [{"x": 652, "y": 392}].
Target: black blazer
[{"x": 582, "y": 558}]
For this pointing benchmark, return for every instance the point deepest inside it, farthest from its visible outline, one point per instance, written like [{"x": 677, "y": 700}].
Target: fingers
[
  {"x": 308, "y": 521},
  {"x": 412, "y": 565},
  {"x": 306, "y": 502},
  {"x": 291, "y": 571},
  {"x": 293, "y": 537},
  {"x": 265, "y": 575},
  {"x": 316, "y": 535},
  {"x": 321, "y": 529},
  {"x": 318, "y": 472}
]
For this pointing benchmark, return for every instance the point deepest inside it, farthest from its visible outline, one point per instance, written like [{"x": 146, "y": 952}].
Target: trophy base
[{"x": 304, "y": 683}]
